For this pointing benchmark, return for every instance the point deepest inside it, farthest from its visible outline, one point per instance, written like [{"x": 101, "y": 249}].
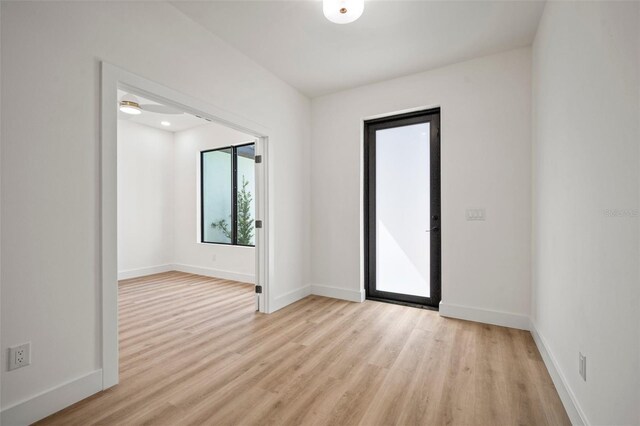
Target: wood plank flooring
[{"x": 193, "y": 351}]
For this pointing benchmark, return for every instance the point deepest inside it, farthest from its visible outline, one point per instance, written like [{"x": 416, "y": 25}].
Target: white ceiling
[
  {"x": 297, "y": 43},
  {"x": 178, "y": 122}
]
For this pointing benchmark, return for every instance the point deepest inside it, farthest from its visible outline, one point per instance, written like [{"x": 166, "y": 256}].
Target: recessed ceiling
[
  {"x": 293, "y": 39},
  {"x": 178, "y": 122}
]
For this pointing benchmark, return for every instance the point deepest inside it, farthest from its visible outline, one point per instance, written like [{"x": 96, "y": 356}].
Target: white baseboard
[
  {"x": 338, "y": 293},
  {"x": 215, "y": 273},
  {"x": 504, "y": 319},
  {"x": 199, "y": 270},
  {"x": 568, "y": 398},
  {"x": 53, "y": 400},
  {"x": 141, "y": 272},
  {"x": 289, "y": 298}
]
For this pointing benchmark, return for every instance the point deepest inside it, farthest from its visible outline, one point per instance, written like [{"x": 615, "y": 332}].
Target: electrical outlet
[
  {"x": 213, "y": 257},
  {"x": 19, "y": 356},
  {"x": 582, "y": 366}
]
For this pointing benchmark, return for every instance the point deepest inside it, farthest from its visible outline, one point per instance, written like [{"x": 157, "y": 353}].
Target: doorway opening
[
  {"x": 164, "y": 221},
  {"x": 402, "y": 238}
]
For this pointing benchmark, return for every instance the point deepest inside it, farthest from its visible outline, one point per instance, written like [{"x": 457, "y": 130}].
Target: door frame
[
  {"x": 112, "y": 79},
  {"x": 432, "y": 116}
]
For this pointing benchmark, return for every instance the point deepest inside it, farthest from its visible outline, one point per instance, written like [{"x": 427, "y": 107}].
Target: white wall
[
  {"x": 214, "y": 259},
  {"x": 145, "y": 198},
  {"x": 1, "y": 137},
  {"x": 50, "y": 165},
  {"x": 486, "y": 162},
  {"x": 586, "y": 286}
]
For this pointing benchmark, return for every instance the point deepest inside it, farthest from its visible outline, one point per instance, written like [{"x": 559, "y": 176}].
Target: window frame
[{"x": 234, "y": 194}]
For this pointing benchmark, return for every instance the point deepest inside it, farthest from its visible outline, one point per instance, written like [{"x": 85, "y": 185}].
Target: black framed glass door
[{"x": 402, "y": 208}]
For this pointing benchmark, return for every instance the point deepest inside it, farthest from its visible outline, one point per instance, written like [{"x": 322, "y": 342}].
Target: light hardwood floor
[{"x": 193, "y": 351}]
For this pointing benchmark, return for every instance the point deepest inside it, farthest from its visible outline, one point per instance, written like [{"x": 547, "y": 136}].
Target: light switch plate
[{"x": 475, "y": 214}]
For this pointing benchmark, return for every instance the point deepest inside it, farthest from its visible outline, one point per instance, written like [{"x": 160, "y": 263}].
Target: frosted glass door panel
[{"x": 403, "y": 210}]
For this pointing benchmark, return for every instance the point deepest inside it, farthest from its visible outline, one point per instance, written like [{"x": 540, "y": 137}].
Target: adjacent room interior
[
  {"x": 183, "y": 271},
  {"x": 327, "y": 212},
  {"x": 186, "y": 194}
]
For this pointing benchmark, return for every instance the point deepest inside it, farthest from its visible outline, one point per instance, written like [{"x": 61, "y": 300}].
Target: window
[{"x": 227, "y": 184}]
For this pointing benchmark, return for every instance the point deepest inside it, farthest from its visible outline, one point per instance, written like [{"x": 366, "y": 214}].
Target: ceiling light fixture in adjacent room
[
  {"x": 165, "y": 123},
  {"x": 342, "y": 11},
  {"x": 129, "y": 105}
]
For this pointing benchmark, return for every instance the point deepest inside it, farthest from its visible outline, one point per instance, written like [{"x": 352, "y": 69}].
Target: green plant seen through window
[{"x": 245, "y": 221}]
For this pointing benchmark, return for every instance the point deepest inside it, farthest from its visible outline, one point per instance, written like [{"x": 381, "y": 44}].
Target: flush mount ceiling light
[
  {"x": 165, "y": 123},
  {"x": 342, "y": 11},
  {"x": 129, "y": 105}
]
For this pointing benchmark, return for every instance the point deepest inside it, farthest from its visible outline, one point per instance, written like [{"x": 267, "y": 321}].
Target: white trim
[
  {"x": 264, "y": 261},
  {"x": 338, "y": 293},
  {"x": 109, "y": 224},
  {"x": 112, "y": 79},
  {"x": 290, "y": 297},
  {"x": 215, "y": 273},
  {"x": 568, "y": 398},
  {"x": 52, "y": 400},
  {"x": 141, "y": 272},
  {"x": 402, "y": 111},
  {"x": 504, "y": 319}
]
